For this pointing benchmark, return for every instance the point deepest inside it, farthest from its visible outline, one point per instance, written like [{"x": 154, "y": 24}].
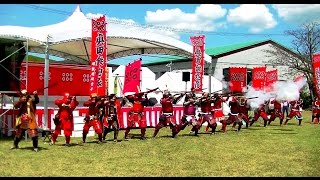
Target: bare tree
[{"x": 305, "y": 43}]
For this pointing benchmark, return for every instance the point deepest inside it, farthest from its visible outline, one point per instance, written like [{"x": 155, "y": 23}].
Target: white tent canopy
[
  {"x": 147, "y": 80},
  {"x": 71, "y": 39}
]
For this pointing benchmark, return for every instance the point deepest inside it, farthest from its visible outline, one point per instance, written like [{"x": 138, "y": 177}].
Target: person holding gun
[
  {"x": 64, "y": 118},
  {"x": 26, "y": 120}
]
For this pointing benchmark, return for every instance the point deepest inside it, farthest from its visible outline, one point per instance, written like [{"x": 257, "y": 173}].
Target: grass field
[{"x": 257, "y": 151}]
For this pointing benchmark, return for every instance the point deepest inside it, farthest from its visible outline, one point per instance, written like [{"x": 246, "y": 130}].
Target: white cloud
[
  {"x": 254, "y": 16},
  {"x": 202, "y": 19},
  {"x": 298, "y": 13},
  {"x": 93, "y": 16}
]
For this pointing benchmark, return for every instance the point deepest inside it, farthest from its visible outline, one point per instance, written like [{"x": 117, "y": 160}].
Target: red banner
[
  {"x": 132, "y": 77},
  {"x": 98, "y": 56},
  {"x": 238, "y": 78},
  {"x": 316, "y": 72},
  {"x": 258, "y": 77},
  {"x": 62, "y": 78},
  {"x": 197, "y": 61},
  {"x": 271, "y": 78}
]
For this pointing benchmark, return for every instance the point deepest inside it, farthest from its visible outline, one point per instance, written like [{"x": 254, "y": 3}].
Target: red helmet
[
  {"x": 234, "y": 98},
  {"x": 66, "y": 96}
]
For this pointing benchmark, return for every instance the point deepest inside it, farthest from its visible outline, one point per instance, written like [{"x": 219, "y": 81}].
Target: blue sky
[{"x": 247, "y": 22}]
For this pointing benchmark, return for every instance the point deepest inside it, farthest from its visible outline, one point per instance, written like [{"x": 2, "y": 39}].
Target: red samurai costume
[
  {"x": 244, "y": 110},
  {"x": 316, "y": 110},
  {"x": 206, "y": 112},
  {"x": 260, "y": 112},
  {"x": 26, "y": 119},
  {"x": 110, "y": 122},
  {"x": 189, "y": 114},
  {"x": 93, "y": 118},
  {"x": 274, "y": 110},
  {"x": 136, "y": 115},
  {"x": 64, "y": 118},
  {"x": 233, "y": 115},
  {"x": 294, "y": 112},
  {"x": 166, "y": 118}
]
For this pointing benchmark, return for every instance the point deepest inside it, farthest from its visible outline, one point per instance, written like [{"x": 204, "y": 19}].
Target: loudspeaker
[
  {"x": 186, "y": 76},
  {"x": 226, "y": 74},
  {"x": 249, "y": 77}
]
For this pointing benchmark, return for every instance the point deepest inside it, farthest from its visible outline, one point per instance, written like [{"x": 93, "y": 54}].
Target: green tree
[{"x": 306, "y": 43}]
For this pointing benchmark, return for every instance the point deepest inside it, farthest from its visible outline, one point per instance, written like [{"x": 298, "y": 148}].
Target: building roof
[
  {"x": 220, "y": 51},
  {"x": 71, "y": 39}
]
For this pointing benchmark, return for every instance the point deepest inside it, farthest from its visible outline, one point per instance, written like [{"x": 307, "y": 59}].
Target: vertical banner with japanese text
[
  {"x": 271, "y": 79},
  {"x": 98, "y": 56},
  {"x": 198, "y": 43},
  {"x": 258, "y": 77},
  {"x": 316, "y": 72},
  {"x": 238, "y": 79},
  {"x": 132, "y": 77}
]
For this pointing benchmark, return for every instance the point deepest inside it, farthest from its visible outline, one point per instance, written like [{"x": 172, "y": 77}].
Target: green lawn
[{"x": 257, "y": 151}]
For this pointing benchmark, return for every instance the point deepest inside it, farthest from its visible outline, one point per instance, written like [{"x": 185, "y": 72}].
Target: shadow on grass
[
  {"x": 31, "y": 148},
  {"x": 6, "y": 138},
  {"x": 284, "y": 133},
  {"x": 71, "y": 144},
  {"x": 283, "y": 129}
]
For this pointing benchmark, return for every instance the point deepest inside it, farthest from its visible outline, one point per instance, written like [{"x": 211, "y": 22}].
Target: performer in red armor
[
  {"x": 26, "y": 120},
  {"x": 110, "y": 121},
  {"x": 316, "y": 110},
  {"x": 206, "y": 113},
  {"x": 189, "y": 114},
  {"x": 260, "y": 112},
  {"x": 217, "y": 111},
  {"x": 166, "y": 118},
  {"x": 233, "y": 115},
  {"x": 274, "y": 110},
  {"x": 294, "y": 112},
  {"x": 64, "y": 118},
  {"x": 136, "y": 115},
  {"x": 95, "y": 105},
  {"x": 244, "y": 110}
]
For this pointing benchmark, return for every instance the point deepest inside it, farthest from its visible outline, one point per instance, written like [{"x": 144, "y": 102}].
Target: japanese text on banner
[{"x": 197, "y": 61}]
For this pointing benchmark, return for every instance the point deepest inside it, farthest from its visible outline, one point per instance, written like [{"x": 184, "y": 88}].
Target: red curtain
[
  {"x": 238, "y": 78},
  {"x": 132, "y": 77},
  {"x": 62, "y": 79},
  {"x": 258, "y": 77},
  {"x": 197, "y": 61},
  {"x": 271, "y": 78},
  {"x": 98, "y": 56}
]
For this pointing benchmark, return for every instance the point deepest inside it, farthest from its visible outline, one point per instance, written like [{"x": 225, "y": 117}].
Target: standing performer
[
  {"x": 26, "y": 118},
  {"x": 244, "y": 110},
  {"x": 95, "y": 105},
  {"x": 189, "y": 114},
  {"x": 274, "y": 110},
  {"x": 233, "y": 115},
  {"x": 64, "y": 118},
  {"x": 136, "y": 114},
  {"x": 111, "y": 122},
  {"x": 167, "y": 114},
  {"x": 260, "y": 112},
  {"x": 316, "y": 110},
  {"x": 205, "y": 114},
  {"x": 294, "y": 112}
]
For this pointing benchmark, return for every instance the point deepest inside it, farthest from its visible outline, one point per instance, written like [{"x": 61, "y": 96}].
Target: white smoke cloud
[
  {"x": 288, "y": 90},
  {"x": 219, "y": 76},
  {"x": 261, "y": 97}
]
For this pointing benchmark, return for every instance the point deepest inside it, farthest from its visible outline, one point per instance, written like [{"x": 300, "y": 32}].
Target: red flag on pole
[
  {"x": 271, "y": 79},
  {"x": 98, "y": 60},
  {"x": 258, "y": 77},
  {"x": 238, "y": 78},
  {"x": 316, "y": 72},
  {"x": 132, "y": 77},
  {"x": 197, "y": 61}
]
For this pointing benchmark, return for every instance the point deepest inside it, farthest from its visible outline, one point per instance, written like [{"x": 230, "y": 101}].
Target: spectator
[{"x": 285, "y": 107}]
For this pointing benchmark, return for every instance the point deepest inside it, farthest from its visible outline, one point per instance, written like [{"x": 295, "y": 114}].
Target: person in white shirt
[{"x": 285, "y": 107}]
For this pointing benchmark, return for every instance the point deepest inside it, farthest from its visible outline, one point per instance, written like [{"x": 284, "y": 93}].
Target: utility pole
[{"x": 169, "y": 65}]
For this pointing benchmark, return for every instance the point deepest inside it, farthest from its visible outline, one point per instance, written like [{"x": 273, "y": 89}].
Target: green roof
[{"x": 216, "y": 51}]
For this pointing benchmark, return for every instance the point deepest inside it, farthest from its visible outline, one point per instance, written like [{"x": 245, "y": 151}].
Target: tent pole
[
  {"x": 27, "y": 60},
  {"x": 46, "y": 79},
  {"x": 210, "y": 75}
]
